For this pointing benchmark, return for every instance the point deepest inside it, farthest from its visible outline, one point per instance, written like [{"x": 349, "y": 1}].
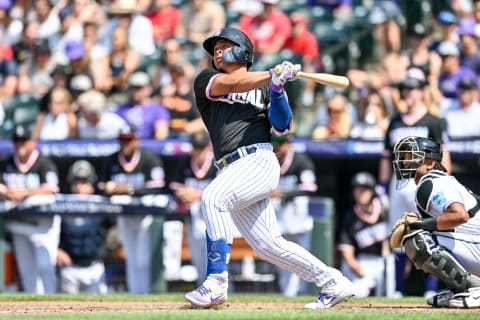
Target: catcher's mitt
[{"x": 401, "y": 228}]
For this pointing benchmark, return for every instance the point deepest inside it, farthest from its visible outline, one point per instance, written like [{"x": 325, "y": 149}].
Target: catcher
[{"x": 444, "y": 239}]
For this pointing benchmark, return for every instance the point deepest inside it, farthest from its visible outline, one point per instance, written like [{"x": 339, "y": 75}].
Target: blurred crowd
[
  {"x": 85, "y": 63},
  {"x": 85, "y": 69}
]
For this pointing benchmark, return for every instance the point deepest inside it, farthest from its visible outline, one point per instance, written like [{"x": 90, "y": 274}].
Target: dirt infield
[{"x": 48, "y": 307}]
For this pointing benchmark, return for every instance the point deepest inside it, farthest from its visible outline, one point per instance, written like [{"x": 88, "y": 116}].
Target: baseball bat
[{"x": 327, "y": 79}]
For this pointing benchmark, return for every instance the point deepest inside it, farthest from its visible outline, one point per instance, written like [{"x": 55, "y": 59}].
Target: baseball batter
[
  {"x": 445, "y": 242},
  {"x": 239, "y": 108}
]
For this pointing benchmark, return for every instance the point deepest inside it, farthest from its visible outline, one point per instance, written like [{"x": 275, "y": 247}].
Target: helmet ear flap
[{"x": 242, "y": 51}]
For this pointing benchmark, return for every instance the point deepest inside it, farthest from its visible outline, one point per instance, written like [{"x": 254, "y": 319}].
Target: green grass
[{"x": 362, "y": 309}]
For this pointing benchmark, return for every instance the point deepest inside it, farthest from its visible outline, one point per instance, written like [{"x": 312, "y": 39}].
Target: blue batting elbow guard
[{"x": 280, "y": 113}]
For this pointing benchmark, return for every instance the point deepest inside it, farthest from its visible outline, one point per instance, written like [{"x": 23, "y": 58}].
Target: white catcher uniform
[{"x": 464, "y": 241}]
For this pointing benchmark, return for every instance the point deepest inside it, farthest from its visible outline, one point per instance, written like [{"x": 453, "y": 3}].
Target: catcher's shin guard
[{"x": 435, "y": 260}]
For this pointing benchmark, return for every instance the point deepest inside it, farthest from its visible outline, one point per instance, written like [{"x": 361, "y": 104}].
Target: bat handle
[{"x": 278, "y": 69}]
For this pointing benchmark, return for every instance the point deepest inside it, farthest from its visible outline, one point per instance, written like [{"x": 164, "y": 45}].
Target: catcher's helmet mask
[
  {"x": 409, "y": 154},
  {"x": 242, "y": 51}
]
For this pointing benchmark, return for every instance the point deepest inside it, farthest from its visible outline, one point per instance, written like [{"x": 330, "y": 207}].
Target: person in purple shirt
[
  {"x": 452, "y": 72},
  {"x": 149, "y": 119},
  {"x": 470, "y": 53}
]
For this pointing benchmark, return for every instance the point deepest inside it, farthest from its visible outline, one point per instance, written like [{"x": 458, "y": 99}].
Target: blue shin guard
[{"x": 218, "y": 255}]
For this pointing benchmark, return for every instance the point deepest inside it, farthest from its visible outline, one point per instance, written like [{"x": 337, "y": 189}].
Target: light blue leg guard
[{"x": 218, "y": 255}]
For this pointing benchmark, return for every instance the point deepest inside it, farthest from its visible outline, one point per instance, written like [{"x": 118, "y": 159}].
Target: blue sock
[{"x": 218, "y": 255}]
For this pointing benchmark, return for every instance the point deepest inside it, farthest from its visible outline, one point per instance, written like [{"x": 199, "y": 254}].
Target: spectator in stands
[
  {"x": 11, "y": 26},
  {"x": 193, "y": 174},
  {"x": 290, "y": 200},
  {"x": 29, "y": 178},
  {"x": 88, "y": 11},
  {"x": 140, "y": 31},
  {"x": 417, "y": 119},
  {"x": 476, "y": 14},
  {"x": 78, "y": 58},
  {"x": 79, "y": 257},
  {"x": 304, "y": 43},
  {"x": 185, "y": 118},
  {"x": 95, "y": 121},
  {"x": 447, "y": 23},
  {"x": 451, "y": 71},
  {"x": 34, "y": 74},
  {"x": 149, "y": 119},
  {"x": 339, "y": 121},
  {"x": 130, "y": 169},
  {"x": 70, "y": 30},
  {"x": 385, "y": 16},
  {"x": 199, "y": 18},
  {"x": 123, "y": 60},
  {"x": 97, "y": 54},
  {"x": 47, "y": 18},
  {"x": 24, "y": 48},
  {"x": 59, "y": 122},
  {"x": 462, "y": 116},
  {"x": 171, "y": 56},
  {"x": 165, "y": 20},
  {"x": 8, "y": 72},
  {"x": 61, "y": 78},
  {"x": 419, "y": 38},
  {"x": 363, "y": 241},
  {"x": 470, "y": 53},
  {"x": 269, "y": 30},
  {"x": 79, "y": 84},
  {"x": 91, "y": 41},
  {"x": 373, "y": 118}
]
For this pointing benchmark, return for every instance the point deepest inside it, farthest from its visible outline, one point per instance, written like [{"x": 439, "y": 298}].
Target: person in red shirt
[
  {"x": 269, "y": 30},
  {"x": 304, "y": 43},
  {"x": 165, "y": 19}
]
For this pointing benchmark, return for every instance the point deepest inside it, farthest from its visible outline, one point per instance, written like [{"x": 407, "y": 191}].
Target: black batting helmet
[{"x": 241, "y": 52}]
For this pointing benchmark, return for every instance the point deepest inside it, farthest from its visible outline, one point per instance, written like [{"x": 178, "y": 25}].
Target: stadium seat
[
  {"x": 25, "y": 108},
  {"x": 6, "y": 129},
  {"x": 289, "y": 6}
]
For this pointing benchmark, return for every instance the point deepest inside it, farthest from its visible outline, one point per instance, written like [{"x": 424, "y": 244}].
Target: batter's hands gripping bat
[{"x": 327, "y": 79}]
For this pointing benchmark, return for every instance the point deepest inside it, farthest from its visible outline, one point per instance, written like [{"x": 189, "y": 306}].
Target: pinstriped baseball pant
[{"x": 242, "y": 191}]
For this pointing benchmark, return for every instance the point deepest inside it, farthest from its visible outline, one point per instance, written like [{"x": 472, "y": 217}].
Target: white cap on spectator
[
  {"x": 81, "y": 82},
  {"x": 448, "y": 48},
  {"x": 270, "y": 1},
  {"x": 92, "y": 101},
  {"x": 139, "y": 79},
  {"x": 123, "y": 7}
]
